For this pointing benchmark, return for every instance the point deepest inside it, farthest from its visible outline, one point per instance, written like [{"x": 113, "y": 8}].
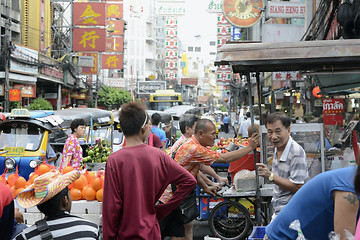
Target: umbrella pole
[{"x": 257, "y": 195}]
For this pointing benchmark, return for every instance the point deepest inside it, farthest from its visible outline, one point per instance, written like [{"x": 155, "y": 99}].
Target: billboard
[
  {"x": 243, "y": 13},
  {"x": 114, "y": 10},
  {"x": 112, "y": 61},
  {"x": 283, "y": 9},
  {"x": 115, "y": 27},
  {"x": 147, "y": 87},
  {"x": 89, "y": 14},
  {"x": 94, "y": 69},
  {"x": 114, "y": 44},
  {"x": 26, "y": 54},
  {"x": 89, "y": 39}
]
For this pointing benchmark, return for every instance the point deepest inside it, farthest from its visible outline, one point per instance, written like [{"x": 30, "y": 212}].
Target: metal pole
[
  {"x": 7, "y": 60},
  {"x": 291, "y": 104},
  {"x": 58, "y": 102},
  {"x": 259, "y": 96},
  {"x": 257, "y": 200}
]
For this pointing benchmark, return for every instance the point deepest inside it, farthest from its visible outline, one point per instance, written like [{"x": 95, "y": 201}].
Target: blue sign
[{"x": 236, "y": 33}]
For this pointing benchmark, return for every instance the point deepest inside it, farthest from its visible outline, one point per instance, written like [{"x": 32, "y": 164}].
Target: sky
[{"x": 197, "y": 21}]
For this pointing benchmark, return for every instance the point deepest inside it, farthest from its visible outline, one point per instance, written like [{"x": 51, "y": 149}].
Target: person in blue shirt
[
  {"x": 156, "y": 119},
  {"x": 226, "y": 121},
  {"x": 326, "y": 203}
]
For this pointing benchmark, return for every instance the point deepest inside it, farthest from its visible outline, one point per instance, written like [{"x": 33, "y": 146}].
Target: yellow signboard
[{"x": 14, "y": 151}]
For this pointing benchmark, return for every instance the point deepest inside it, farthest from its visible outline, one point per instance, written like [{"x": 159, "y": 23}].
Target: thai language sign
[{"x": 333, "y": 106}]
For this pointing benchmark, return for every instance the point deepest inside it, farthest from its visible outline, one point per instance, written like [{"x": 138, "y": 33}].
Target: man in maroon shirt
[{"x": 135, "y": 178}]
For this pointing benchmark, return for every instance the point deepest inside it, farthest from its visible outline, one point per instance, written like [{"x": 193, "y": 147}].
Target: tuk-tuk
[
  {"x": 27, "y": 135},
  {"x": 24, "y": 141}
]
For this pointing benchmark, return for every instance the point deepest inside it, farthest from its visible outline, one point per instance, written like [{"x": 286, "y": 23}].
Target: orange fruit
[
  {"x": 80, "y": 183},
  {"x": 90, "y": 176},
  {"x": 3, "y": 179},
  {"x": 75, "y": 194},
  {"x": 20, "y": 182},
  {"x": 43, "y": 168},
  {"x": 99, "y": 195},
  {"x": 67, "y": 169},
  {"x": 32, "y": 177},
  {"x": 90, "y": 194},
  {"x": 19, "y": 190},
  {"x": 12, "y": 179},
  {"x": 97, "y": 184}
]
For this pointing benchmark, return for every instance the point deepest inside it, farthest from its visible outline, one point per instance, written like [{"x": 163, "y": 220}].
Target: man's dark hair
[
  {"x": 187, "y": 120},
  {"x": 202, "y": 125},
  {"x": 273, "y": 117},
  {"x": 155, "y": 119},
  {"x": 52, "y": 206},
  {"x": 248, "y": 114},
  {"x": 132, "y": 118},
  {"x": 77, "y": 122}
]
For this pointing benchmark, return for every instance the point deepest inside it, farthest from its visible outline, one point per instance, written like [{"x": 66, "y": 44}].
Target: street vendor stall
[{"x": 334, "y": 57}]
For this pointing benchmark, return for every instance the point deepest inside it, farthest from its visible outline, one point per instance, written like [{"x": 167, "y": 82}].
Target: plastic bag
[
  {"x": 295, "y": 225},
  {"x": 335, "y": 236},
  {"x": 244, "y": 180}
]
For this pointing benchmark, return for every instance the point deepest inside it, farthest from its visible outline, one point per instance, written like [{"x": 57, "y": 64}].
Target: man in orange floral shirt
[{"x": 191, "y": 155}]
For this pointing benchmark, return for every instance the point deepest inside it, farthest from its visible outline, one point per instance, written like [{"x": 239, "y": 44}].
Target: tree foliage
[
  {"x": 40, "y": 104},
  {"x": 112, "y": 98}
]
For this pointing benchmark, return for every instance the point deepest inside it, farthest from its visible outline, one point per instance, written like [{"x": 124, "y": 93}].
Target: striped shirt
[
  {"x": 64, "y": 226},
  {"x": 291, "y": 165}
]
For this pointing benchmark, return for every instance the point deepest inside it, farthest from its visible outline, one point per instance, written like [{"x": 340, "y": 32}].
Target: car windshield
[{"x": 21, "y": 135}]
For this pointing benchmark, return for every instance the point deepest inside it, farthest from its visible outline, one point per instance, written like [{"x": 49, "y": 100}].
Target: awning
[
  {"x": 338, "y": 59},
  {"x": 20, "y": 78}
]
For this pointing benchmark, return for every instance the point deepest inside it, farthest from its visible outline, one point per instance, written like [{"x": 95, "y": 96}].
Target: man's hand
[
  {"x": 223, "y": 181},
  {"x": 263, "y": 170},
  {"x": 211, "y": 190},
  {"x": 254, "y": 141}
]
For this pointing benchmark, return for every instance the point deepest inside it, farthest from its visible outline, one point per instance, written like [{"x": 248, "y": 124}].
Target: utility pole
[{"x": 7, "y": 63}]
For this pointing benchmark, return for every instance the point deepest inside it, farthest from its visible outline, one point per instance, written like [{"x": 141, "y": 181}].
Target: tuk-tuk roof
[
  {"x": 99, "y": 116},
  {"x": 165, "y": 117}
]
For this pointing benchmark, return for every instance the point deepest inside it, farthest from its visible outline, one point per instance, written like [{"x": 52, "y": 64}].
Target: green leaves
[
  {"x": 112, "y": 98},
  {"x": 40, "y": 104}
]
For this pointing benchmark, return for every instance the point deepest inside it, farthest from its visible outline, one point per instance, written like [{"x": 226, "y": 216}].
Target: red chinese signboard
[
  {"x": 114, "y": 10},
  {"x": 112, "y": 61},
  {"x": 333, "y": 106},
  {"x": 27, "y": 90},
  {"x": 89, "y": 39},
  {"x": 14, "y": 95},
  {"x": 189, "y": 81},
  {"x": 116, "y": 26},
  {"x": 335, "y": 119},
  {"x": 88, "y": 70},
  {"x": 243, "y": 14},
  {"x": 114, "y": 44},
  {"x": 89, "y": 14}
]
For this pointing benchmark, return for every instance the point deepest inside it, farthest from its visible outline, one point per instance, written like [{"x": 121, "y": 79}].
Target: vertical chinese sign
[
  {"x": 332, "y": 111},
  {"x": 171, "y": 52},
  {"x": 223, "y": 73}
]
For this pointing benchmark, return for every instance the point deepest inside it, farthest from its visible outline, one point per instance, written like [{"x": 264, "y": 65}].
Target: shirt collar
[{"x": 286, "y": 150}]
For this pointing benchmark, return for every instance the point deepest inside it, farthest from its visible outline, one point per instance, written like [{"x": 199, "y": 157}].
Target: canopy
[{"x": 334, "y": 62}]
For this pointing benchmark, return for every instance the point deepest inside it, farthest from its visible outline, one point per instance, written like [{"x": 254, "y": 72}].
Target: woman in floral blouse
[{"x": 72, "y": 151}]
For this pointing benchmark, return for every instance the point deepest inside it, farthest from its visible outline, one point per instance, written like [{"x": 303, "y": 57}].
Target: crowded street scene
[{"x": 179, "y": 119}]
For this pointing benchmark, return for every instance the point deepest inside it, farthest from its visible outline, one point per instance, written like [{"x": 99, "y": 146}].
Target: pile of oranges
[{"x": 88, "y": 187}]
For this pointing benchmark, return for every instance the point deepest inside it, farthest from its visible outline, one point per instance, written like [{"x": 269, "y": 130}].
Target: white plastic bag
[
  {"x": 295, "y": 225},
  {"x": 244, "y": 180}
]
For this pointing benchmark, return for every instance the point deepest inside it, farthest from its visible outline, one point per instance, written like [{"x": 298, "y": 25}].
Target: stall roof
[
  {"x": 311, "y": 56},
  {"x": 335, "y": 63}
]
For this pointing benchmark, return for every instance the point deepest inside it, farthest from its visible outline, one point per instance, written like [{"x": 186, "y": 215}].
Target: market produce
[
  {"x": 223, "y": 144},
  {"x": 97, "y": 153}
]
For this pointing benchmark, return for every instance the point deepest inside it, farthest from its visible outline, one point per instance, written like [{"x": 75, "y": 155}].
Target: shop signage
[
  {"x": 94, "y": 69},
  {"x": 171, "y": 8},
  {"x": 221, "y": 40},
  {"x": 89, "y": 39},
  {"x": 27, "y": 90},
  {"x": 171, "y": 63},
  {"x": 27, "y": 55},
  {"x": 224, "y": 30},
  {"x": 83, "y": 61},
  {"x": 171, "y": 75},
  {"x": 171, "y": 53},
  {"x": 276, "y": 9},
  {"x": 171, "y": 32},
  {"x": 243, "y": 14},
  {"x": 171, "y": 43},
  {"x": 223, "y": 76},
  {"x": 112, "y": 61},
  {"x": 89, "y": 14},
  {"x": 14, "y": 95},
  {"x": 221, "y": 19},
  {"x": 287, "y": 76},
  {"x": 114, "y": 44},
  {"x": 114, "y": 10},
  {"x": 171, "y": 22},
  {"x": 78, "y": 95},
  {"x": 115, "y": 82},
  {"x": 333, "y": 119},
  {"x": 215, "y": 6},
  {"x": 189, "y": 81},
  {"x": 147, "y": 87},
  {"x": 115, "y": 27},
  {"x": 333, "y": 106}
]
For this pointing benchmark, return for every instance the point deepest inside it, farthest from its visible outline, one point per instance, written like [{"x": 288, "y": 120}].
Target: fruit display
[
  {"x": 89, "y": 186},
  {"x": 97, "y": 153},
  {"x": 223, "y": 144}
]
